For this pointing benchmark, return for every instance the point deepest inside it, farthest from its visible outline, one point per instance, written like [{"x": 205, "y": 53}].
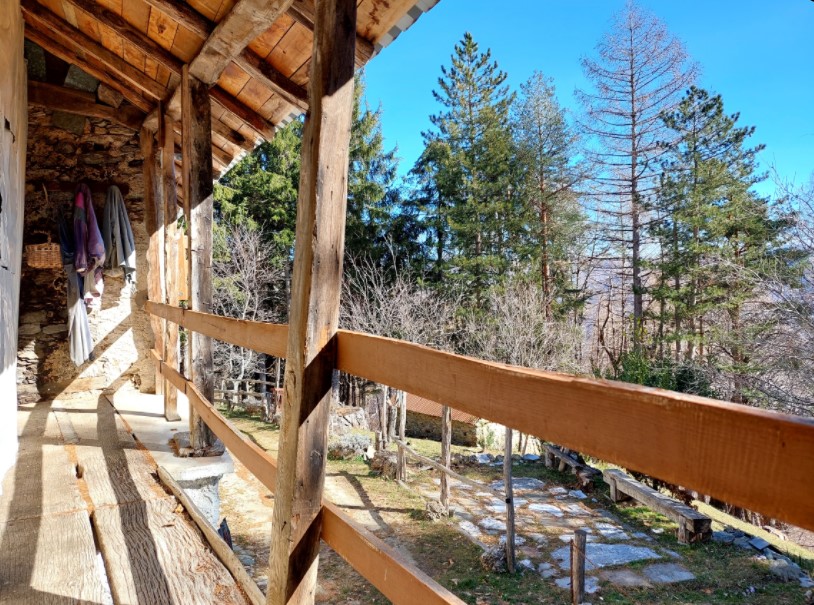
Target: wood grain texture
[
  {"x": 267, "y": 338},
  {"x": 732, "y": 452},
  {"x": 198, "y": 188},
  {"x": 314, "y": 309},
  {"x": 154, "y": 223},
  {"x": 446, "y": 452},
  {"x": 171, "y": 273},
  {"x": 49, "y": 560},
  {"x": 154, "y": 555},
  {"x": 302, "y": 11},
  {"x": 222, "y": 549}
]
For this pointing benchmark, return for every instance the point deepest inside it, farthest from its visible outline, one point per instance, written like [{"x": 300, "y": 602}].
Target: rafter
[
  {"x": 248, "y": 60},
  {"x": 81, "y": 103}
]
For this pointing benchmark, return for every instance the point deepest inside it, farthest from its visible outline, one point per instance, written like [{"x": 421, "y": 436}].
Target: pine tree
[
  {"x": 640, "y": 73},
  {"x": 549, "y": 175},
  {"x": 467, "y": 172}
]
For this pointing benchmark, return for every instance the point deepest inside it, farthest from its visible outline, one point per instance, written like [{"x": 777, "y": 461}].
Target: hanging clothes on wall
[
  {"x": 90, "y": 248},
  {"x": 120, "y": 244},
  {"x": 81, "y": 346}
]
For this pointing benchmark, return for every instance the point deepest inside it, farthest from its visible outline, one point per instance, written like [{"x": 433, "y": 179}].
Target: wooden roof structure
[{"x": 254, "y": 55}]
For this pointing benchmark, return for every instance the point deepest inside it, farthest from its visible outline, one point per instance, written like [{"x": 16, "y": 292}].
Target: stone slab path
[{"x": 546, "y": 516}]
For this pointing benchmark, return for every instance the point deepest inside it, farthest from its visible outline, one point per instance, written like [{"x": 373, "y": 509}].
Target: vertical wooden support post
[
  {"x": 170, "y": 192},
  {"x": 446, "y": 453},
  {"x": 402, "y": 456},
  {"x": 198, "y": 187},
  {"x": 509, "y": 489},
  {"x": 314, "y": 309},
  {"x": 578, "y": 545},
  {"x": 154, "y": 222}
]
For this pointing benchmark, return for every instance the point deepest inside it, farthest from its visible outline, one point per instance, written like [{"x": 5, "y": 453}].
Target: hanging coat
[
  {"x": 81, "y": 346},
  {"x": 89, "y": 247},
  {"x": 120, "y": 245}
]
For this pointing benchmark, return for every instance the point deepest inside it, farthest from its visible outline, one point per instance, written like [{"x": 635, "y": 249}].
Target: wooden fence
[{"x": 744, "y": 456}]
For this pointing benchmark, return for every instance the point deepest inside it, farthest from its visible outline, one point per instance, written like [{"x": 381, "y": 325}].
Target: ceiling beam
[
  {"x": 248, "y": 60},
  {"x": 88, "y": 64},
  {"x": 303, "y": 11},
  {"x": 46, "y": 22},
  {"x": 79, "y": 102}
]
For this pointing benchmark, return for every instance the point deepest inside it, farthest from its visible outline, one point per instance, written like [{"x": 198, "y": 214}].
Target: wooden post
[
  {"x": 509, "y": 489},
  {"x": 154, "y": 222},
  {"x": 446, "y": 453},
  {"x": 402, "y": 457},
  {"x": 578, "y": 545},
  {"x": 198, "y": 187},
  {"x": 314, "y": 309},
  {"x": 170, "y": 196}
]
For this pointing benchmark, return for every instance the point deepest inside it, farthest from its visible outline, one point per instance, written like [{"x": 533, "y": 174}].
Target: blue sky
[{"x": 759, "y": 55}]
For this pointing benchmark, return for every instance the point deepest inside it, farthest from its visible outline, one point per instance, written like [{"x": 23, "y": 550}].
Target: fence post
[{"x": 578, "y": 566}]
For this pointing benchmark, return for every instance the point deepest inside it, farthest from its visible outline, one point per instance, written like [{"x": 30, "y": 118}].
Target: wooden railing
[{"x": 748, "y": 457}]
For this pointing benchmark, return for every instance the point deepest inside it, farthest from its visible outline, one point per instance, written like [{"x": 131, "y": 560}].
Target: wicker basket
[{"x": 43, "y": 256}]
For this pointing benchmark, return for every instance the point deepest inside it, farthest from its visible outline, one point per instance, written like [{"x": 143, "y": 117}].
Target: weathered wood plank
[
  {"x": 171, "y": 273},
  {"x": 398, "y": 580},
  {"x": 261, "y": 337},
  {"x": 703, "y": 444},
  {"x": 247, "y": 20},
  {"x": 81, "y": 103},
  {"x": 222, "y": 549},
  {"x": 154, "y": 555},
  {"x": 198, "y": 188},
  {"x": 302, "y": 11},
  {"x": 49, "y": 560},
  {"x": 446, "y": 452},
  {"x": 154, "y": 222},
  {"x": 314, "y": 309},
  {"x": 697, "y": 524}
]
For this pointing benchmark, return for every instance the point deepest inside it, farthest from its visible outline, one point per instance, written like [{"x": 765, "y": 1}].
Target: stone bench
[
  {"x": 584, "y": 472},
  {"x": 692, "y": 525}
]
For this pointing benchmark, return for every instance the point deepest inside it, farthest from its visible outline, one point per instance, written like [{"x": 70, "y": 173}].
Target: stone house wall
[
  {"x": 423, "y": 426},
  {"x": 64, "y": 150}
]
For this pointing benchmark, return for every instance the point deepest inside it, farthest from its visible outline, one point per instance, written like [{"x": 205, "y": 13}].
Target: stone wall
[
  {"x": 64, "y": 150},
  {"x": 12, "y": 167},
  {"x": 423, "y": 426}
]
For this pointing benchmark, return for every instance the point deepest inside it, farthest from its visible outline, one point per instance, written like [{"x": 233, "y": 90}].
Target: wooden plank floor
[{"x": 81, "y": 480}]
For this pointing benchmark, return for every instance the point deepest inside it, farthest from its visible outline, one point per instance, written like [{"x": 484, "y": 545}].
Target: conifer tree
[
  {"x": 640, "y": 73},
  {"x": 467, "y": 172}
]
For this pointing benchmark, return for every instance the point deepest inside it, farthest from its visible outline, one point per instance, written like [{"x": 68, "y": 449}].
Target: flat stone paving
[{"x": 546, "y": 517}]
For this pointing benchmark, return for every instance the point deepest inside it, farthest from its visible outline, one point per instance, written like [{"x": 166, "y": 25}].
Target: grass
[{"x": 725, "y": 575}]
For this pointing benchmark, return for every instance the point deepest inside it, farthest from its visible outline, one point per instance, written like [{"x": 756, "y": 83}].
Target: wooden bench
[
  {"x": 692, "y": 525},
  {"x": 584, "y": 472}
]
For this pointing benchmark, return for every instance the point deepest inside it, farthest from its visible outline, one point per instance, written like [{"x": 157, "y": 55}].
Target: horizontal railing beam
[{"x": 744, "y": 456}]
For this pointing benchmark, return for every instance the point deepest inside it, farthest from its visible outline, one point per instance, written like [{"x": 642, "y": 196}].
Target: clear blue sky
[{"x": 758, "y": 54}]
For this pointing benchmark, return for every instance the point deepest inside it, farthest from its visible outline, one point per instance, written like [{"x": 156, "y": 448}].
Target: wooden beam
[
  {"x": 260, "y": 69},
  {"x": 713, "y": 447},
  {"x": 245, "y": 22},
  {"x": 183, "y": 14},
  {"x": 172, "y": 291},
  {"x": 253, "y": 119},
  {"x": 87, "y": 63},
  {"x": 267, "y": 338},
  {"x": 49, "y": 23},
  {"x": 399, "y": 581},
  {"x": 314, "y": 308},
  {"x": 302, "y": 11},
  {"x": 80, "y": 102},
  {"x": 154, "y": 222},
  {"x": 198, "y": 188}
]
